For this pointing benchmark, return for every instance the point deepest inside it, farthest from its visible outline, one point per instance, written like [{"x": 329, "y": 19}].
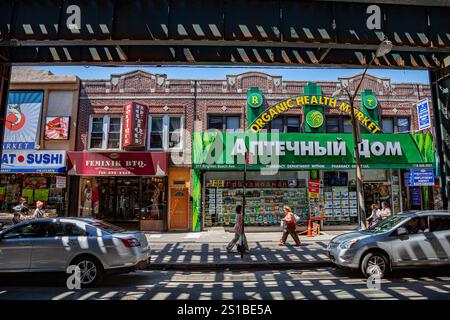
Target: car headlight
[{"x": 349, "y": 244}]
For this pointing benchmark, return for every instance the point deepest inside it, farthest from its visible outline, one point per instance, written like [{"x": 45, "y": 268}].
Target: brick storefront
[{"x": 195, "y": 99}]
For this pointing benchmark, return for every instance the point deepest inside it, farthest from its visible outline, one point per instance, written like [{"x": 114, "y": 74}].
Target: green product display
[{"x": 197, "y": 191}]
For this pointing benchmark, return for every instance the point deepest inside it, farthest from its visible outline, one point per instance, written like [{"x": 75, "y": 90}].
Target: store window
[
  {"x": 387, "y": 125},
  {"x": 396, "y": 125},
  {"x": 265, "y": 197},
  {"x": 224, "y": 123},
  {"x": 332, "y": 125},
  {"x": 403, "y": 125},
  {"x": 285, "y": 124},
  {"x": 123, "y": 199},
  {"x": 105, "y": 132},
  {"x": 338, "y": 125},
  {"x": 32, "y": 187},
  {"x": 165, "y": 132}
]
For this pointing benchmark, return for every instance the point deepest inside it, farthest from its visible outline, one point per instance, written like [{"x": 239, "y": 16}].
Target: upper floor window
[
  {"x": 396, "y": 125},
  {"x": 165, "y": 132},
  {"x": 338, "y": 125},
  {"x": 285, "y": 124},
  {"x": 224, "y": 123},
  {"x": 105, "y": 132}
]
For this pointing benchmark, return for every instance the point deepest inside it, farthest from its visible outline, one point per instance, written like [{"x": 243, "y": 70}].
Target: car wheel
[
  {"x": 91, "y": 271},
  {"x": 375, "y": 263}
]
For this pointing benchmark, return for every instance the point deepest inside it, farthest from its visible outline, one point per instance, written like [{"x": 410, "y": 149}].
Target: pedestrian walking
[
  {"x": 289, "y": 223},
  {"x": 385, "y": 211},
  {"x": 375, "y": 216},
  {"x": 238, "y": 231}
]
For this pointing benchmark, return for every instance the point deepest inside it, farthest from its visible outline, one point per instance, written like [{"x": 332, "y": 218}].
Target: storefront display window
[
  {"x": 34, "y": 187},
  {"x": 265, "y": 197},
  {"x": 126, "y": 199},
  {"x": 340, "y": 197},
  {"x": 154, "y": 198}
]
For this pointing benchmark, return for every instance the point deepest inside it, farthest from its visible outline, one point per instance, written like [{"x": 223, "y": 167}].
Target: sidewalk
[{"x": 207, "y": 251}]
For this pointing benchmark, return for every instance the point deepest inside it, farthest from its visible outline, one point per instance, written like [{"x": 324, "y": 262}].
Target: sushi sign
[{"x": 33, "y": 161}]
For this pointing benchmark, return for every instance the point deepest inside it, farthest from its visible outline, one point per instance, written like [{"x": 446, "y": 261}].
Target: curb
[{"x": 238, "y": 266}]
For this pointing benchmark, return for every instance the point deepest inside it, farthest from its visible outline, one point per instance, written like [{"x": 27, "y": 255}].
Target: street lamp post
[{"x": 384, "y": 48}]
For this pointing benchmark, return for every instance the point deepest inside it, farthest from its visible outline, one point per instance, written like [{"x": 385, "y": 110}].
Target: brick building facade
[{"x": 195, "y": 100}]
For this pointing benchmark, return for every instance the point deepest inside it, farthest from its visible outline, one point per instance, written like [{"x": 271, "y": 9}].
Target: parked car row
[{"x": 406, "y": 240}]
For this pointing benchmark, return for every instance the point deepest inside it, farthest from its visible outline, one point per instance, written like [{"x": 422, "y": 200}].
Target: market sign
[
  {"x": 31, "y": 161},
  {"x": 134, "y": 125},
  {"x": 22, "y": 119},
  {"x": 308, "y": 151},
  {"x": 82, "y": 163},
  {"x": 298, "y": 102}
]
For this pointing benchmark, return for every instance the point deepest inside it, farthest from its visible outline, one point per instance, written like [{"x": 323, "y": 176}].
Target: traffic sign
[{"x": 423, "y": 114}]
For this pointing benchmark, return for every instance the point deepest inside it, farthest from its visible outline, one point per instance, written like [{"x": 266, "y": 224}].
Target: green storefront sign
[
  {"x": 314, "y": 119},
  {"x": 297, "y": 151},
  {"x": 370, "y": 101}
]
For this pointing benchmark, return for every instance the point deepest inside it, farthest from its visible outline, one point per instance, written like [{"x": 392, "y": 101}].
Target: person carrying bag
[{"x": 290, "y": 223}]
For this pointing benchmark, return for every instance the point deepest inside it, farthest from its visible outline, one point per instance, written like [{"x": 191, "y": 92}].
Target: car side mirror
[{"x": 401, "y": 231}]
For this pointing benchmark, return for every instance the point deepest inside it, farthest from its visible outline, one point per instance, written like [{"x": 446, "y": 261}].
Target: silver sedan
[
  {"x": 54, "y": 244},
  {"x": 406, "y": 240}
]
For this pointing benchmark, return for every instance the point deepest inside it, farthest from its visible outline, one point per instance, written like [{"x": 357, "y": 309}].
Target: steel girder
[{"x": 222, "y": 32}]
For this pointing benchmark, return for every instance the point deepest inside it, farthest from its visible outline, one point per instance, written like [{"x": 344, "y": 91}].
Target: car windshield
[
  {"x": 105, "y": 226},
  {"x": 387, "y": 224}
]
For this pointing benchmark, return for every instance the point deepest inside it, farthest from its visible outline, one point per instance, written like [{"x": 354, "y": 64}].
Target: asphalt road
[{"x": 320, "y": 284}]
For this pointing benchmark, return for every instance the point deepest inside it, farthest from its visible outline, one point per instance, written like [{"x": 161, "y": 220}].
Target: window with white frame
[
  {"x": 105, "y": 132},
  {"x": 165, "y": 132}
]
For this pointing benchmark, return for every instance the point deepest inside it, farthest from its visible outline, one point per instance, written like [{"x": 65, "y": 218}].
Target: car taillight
[{"x": 129, "y": 243}]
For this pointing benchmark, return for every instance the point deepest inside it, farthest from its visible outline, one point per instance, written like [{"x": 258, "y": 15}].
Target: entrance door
[
  {"x": 375, "y": 193},
  {"x": 179, "y": 213}
]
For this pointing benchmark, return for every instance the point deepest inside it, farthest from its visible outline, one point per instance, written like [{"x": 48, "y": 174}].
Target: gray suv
[{"x": 408, "y": 239}]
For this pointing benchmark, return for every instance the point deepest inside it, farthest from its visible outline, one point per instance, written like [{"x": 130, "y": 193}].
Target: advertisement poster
[
  {"x": 57, "y": 128},
  {"x": 22, "y": 119}
]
